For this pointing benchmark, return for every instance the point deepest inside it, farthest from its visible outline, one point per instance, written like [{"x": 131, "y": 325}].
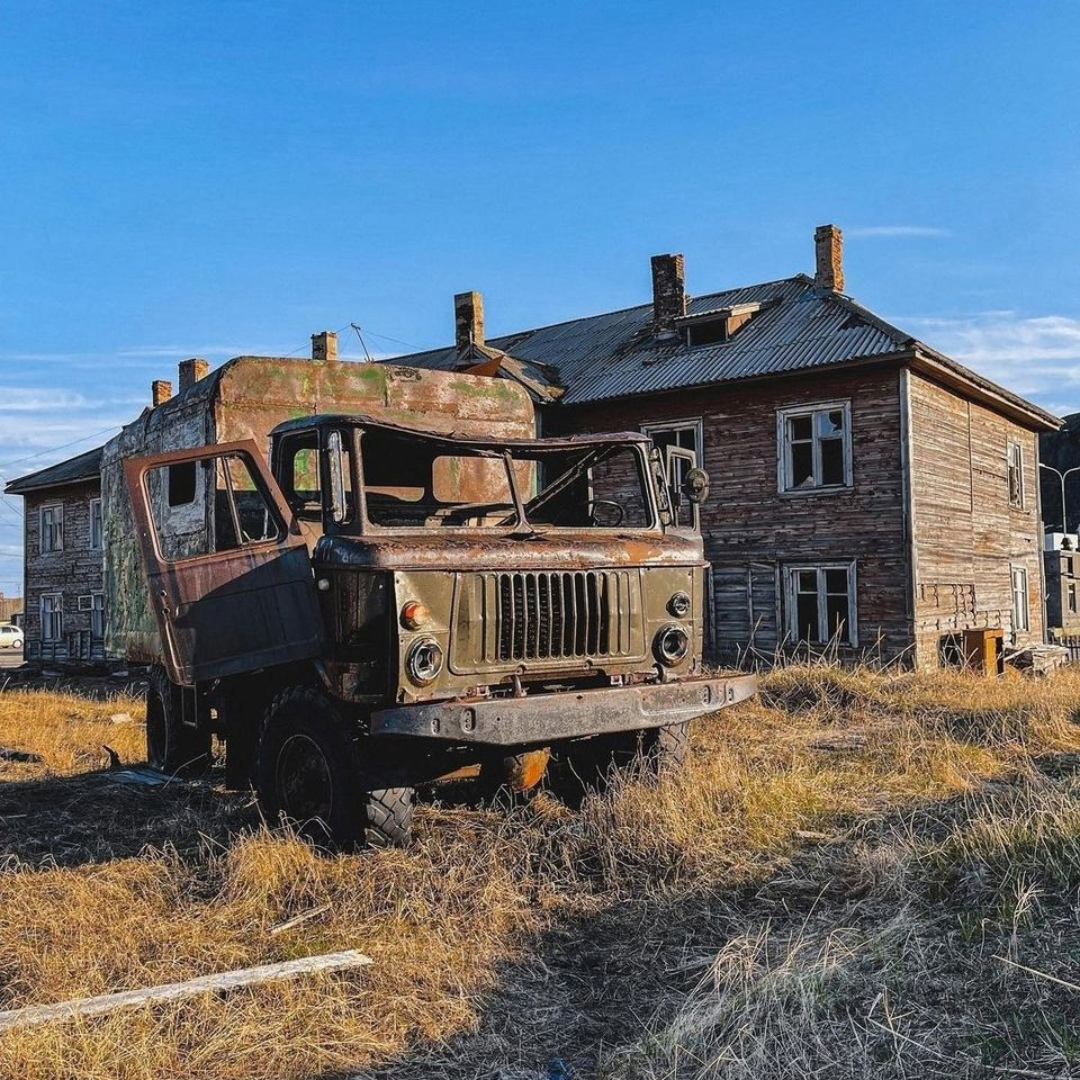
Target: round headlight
[
  {"x": 672, "y": 644},
  {"x": 679, "y": 605},
  {"x": 424, "y": 661}
]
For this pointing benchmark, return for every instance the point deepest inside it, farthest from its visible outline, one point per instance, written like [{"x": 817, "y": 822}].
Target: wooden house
[
  {"x": 870, "y": 495},
  {"x": 63, "y": 591}
]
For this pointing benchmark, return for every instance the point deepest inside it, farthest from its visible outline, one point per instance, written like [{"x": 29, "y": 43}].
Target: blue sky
[{"x": 216, "y": 178}]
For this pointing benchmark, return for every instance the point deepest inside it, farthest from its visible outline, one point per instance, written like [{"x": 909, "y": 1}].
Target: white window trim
[
  {"x": 1021, "y": 503},
  {"x": 58, "y": 611},
  {"x": 101, "y": 526},
  {"x": 783, "y": 458},
  {"x": 792, "y": 620},
  {"x": 694, "y": 422},
  {"x": 1024, "y": 625},
  {"x": 42, "y": 550}
]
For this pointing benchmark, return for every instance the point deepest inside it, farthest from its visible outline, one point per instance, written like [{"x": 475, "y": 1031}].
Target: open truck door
[{"x": 229, "y": 578}]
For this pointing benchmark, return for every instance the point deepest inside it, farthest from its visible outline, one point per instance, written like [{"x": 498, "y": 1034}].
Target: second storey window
[
  {"x": 1016, "y": 475},
  {"x": 821, "y": 604},
  {"x": 52, "y": 528},
  {"x": 814, "y": 446},
  {"x": 95, "y": 525}
]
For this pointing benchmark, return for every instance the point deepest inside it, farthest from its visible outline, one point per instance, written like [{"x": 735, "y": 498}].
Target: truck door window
[
  {"x": 300, "y": 476},
  {"x": 229, "y": 510}
]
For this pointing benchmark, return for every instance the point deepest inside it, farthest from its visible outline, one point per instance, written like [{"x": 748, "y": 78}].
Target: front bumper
[{"x": 570, "y": 714}]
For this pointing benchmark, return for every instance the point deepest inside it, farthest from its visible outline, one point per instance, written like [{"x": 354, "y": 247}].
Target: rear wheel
[
  {"x": 171, "y": 745},
  {"x": 311, "y": 771}
]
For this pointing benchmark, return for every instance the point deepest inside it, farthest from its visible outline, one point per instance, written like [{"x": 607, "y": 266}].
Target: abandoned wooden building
[
  {"x": 64, "y": 613},
  {"x": 870, "y": 495}
]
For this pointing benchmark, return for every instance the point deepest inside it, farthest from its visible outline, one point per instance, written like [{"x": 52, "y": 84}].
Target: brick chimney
[
  {"x": 191, "y": 371},
  {"x": 669, "y": 293},
  {"x": 468, "y": 320},
  {"x": 829, "y": 258},
  {"x": 160, "y": 391},
  {"x": 324, "y": 346}
]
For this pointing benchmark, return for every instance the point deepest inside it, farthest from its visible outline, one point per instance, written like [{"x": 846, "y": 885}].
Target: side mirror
[{"x": 695, "y": 486}]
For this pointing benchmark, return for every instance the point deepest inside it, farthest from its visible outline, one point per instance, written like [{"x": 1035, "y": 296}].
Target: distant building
[{"x": 63, "y": 592}]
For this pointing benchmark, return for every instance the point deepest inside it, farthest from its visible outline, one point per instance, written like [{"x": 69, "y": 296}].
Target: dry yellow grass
[{"x": 832, "y": 856}]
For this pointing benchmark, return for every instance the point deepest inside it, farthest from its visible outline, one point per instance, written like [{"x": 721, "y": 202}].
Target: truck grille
[{"x": 555, "y": 615}]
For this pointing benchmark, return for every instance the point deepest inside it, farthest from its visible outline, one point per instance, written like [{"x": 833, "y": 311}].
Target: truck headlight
[
  {"x": 679, "y": 605},
  {"x": 671, "y": 645},
  {"x": 424, "y": 661}
]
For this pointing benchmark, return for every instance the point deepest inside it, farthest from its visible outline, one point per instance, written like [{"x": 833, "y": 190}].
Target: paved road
[{"x": 10, "y": 658}]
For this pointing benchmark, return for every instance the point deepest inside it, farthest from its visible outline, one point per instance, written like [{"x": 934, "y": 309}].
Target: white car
[{"x": 11, "y": 637}]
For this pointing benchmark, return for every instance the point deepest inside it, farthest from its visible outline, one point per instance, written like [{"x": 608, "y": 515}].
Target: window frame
[
  {"x": 784, "y": 464},
  {"x": 1017, "y": 572},
  {"x": 1017, "y": 501},
  {"x": 97, "y": 608},
  {"x": 791, "y": 594},
  {"x": 57, "y": 613},
  {"x": 96, "y": 503},
  {"x": 55, "y": 529}
]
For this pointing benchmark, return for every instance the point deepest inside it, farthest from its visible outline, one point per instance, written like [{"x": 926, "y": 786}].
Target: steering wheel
[{"x": 612, "y": 509}]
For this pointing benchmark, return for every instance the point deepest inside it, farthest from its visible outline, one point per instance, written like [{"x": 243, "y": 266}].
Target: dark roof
[
  {"x": 76, "y": 470},
  {"x": 799, "y": 327}
]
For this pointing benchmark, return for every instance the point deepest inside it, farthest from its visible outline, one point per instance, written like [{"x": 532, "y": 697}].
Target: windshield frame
[{"x": 509, "y": 451}]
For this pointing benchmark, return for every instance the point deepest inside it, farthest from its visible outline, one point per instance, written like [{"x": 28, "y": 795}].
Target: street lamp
[{"x": 1061, "y": 477}]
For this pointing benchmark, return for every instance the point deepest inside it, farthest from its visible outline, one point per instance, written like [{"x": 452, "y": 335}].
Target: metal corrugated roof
[{"x": 617, "y": 355}]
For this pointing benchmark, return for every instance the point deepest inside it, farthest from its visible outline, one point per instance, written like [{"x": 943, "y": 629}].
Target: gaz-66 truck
[{"x": 416, "y": 588}]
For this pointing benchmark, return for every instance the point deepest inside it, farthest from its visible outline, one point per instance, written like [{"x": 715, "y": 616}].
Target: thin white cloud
[
  {"x": 1037, "y": 356},
  {"x": 888, "y": 232}
]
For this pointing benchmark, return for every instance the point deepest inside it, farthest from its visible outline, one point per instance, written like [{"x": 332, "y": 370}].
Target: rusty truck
[{"x": 364, "y": 579}]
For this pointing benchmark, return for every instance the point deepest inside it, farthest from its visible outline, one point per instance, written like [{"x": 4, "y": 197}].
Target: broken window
[
  {"x": 821, "y": 604},
  {"x": 95, "y": 525},
  {"x": 52, "y": 528},
  {"x": 52, "y": 615},
  {"x": 815, "y": 446},
  {"x": 685, "y": 435},
  {"x": 411, "y": 481},
  {"x": 1016, "y": 475},
  {"x": 1072, "y": 598},
  {"x": 227, "y": 509},
  {"x": 1021, "y": 619}
]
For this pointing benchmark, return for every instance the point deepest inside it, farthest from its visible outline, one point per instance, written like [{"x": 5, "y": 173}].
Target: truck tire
[
  {"x": 172, "y": 746},
  {"x": 666, "y": 747},
  {"x": 310, "y": 769}
]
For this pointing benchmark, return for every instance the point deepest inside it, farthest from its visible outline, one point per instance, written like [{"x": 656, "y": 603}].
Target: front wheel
[
  {"x": 310, "y": 770},
  {"x": 171, "y": 745}
]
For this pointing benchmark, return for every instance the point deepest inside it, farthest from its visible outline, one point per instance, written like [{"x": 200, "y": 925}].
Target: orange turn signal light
[{"x": 414, "y": 615}]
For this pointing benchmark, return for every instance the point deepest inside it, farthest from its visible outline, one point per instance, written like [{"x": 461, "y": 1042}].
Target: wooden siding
[
  {"x": 967, "y": 536},
  {"x": 752, "y": 531},
  {"x": 75, "y": 571}
]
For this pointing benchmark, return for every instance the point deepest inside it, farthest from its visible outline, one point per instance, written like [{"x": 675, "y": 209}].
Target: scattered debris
[
  {"x": 121, "y": 718},
  {"x": 1038, "y": 659},
  {"x": 103, "y": 1003},
  {"x": 139, "y": 777},
  {"x": 299, "y": 920},
  {"x": 114, "y": 757},
  {"x": 27, "y": 756}
]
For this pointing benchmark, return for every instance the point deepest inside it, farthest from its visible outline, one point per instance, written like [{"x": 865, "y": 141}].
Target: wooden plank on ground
[{"x": 103, "y": 1003}]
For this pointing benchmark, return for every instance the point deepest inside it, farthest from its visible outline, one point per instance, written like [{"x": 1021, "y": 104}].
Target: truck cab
[{"x": 385, "y": 607}]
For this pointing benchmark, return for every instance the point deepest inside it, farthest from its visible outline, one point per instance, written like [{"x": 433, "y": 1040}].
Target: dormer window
[{"x": 719, "y": 325}]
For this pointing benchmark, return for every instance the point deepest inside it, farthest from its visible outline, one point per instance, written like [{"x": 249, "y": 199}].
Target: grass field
[{"x": 858, "y": 875}]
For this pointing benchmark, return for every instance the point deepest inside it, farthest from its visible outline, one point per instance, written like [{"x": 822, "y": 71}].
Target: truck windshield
[{"x": 413, "y": 482}]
